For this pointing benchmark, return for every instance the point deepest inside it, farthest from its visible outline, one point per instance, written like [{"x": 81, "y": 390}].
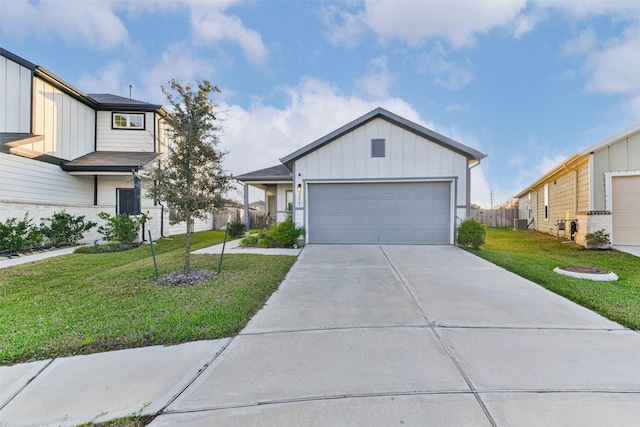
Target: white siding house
[
  {"x": 378, "y": 179},
  {"x": 62, "y": 149}
]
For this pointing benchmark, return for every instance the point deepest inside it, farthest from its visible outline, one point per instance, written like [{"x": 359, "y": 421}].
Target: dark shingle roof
[
  {"x": 109, "y": 101},
  {"x": 277, "y": 172},
  {"x": 109, "y": 161}
]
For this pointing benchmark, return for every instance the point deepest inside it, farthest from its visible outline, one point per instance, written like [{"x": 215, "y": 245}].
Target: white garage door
[
  {"x": 626, "y": 210},
  {"x": 388, "y": 213}
]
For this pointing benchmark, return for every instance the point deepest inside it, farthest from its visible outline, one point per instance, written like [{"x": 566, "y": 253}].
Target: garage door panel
[
  {"x": 389, "y": 213},
  {"x": 626, "y": 210}
]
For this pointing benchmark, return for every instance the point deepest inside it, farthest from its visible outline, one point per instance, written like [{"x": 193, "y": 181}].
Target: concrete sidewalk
[{"x": 364, "y": 335}]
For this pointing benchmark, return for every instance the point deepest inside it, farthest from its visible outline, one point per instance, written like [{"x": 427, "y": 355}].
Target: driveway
[{"x": 415, "y": 335}]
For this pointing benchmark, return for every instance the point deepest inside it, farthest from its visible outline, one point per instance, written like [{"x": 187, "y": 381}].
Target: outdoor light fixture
[{"x": 299, "y": 188}]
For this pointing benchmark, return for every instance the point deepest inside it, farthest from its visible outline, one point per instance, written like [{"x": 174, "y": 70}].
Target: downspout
[
  {"x": 246, "y": 209},
  {"x": 469, "y": 186}
]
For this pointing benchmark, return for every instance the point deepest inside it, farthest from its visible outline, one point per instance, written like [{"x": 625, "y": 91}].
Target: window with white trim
[
  {"x": 128, "y": 121},
  {"x": 546, "y": 202}
]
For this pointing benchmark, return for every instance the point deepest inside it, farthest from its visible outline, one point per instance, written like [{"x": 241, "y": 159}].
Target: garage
[
  {"x": 625, "y": 209},
  {"x": 380, "y": 212}
]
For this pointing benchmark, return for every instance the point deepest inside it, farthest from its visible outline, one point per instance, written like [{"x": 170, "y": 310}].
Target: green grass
[
  {"x": 534, "y": 255},
  {"x": 87, "y": 303}
]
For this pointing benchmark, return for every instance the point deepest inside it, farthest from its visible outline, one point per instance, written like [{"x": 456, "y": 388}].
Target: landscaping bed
[
  {"x": 534, "y": 255},
  {"x": 87, "y": 303}
]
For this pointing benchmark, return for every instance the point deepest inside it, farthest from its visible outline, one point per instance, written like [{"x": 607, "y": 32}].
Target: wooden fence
[
  {"x": 237, "y": 214},
  {"x": 495, "y": 217}
]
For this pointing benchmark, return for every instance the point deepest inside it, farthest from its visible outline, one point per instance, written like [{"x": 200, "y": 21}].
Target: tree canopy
[{"x": 190, "y": 177}]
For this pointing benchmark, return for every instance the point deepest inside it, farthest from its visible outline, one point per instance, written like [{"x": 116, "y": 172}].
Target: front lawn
[
  {"x": 534, "y": 255},
  {"x": 87, "y": 303}
]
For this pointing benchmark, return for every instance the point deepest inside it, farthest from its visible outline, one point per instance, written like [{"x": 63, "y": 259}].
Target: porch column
[{"x": 246, "y": 209}]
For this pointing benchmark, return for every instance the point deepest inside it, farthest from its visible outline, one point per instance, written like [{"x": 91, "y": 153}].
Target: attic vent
[{"x": 377, "y": 148}]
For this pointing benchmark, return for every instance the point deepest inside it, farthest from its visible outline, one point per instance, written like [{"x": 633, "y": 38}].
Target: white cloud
[
  {"x": 91, "y": 24},
  {"x": 445, "y": 73},
  {"x": 459, "y": 22},
  {"x": 260, "y": 135},
  {"x": 457, "y": 107},
  {"x": 584, "y": 43},
  {"x": 378, "y": 81},
  {"x": 109, "y": 79},
  {"x": 343, "y": 28},
  {"x": 210, "y": 26},
  {"x": 546, "y": 164}
]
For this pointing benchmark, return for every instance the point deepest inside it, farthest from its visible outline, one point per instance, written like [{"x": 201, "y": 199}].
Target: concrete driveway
[{"x": 415, "y": 335}]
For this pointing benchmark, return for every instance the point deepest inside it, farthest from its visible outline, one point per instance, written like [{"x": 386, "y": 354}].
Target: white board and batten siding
[
  {"x": 109, "y": 139},
  {"x": 408, "y": 159},
  {"x": 68, "y": 125},
  {"x": 15, "y": 97}
]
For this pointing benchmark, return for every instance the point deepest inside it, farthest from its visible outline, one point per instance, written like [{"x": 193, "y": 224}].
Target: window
[
  {"x": 546, "y": 201},
  {"x": 377, "y": 148},
  {"x": 289, "y": 200},
  {"x": 128, "y": 121},
  {"x": 126, "y": 201}
]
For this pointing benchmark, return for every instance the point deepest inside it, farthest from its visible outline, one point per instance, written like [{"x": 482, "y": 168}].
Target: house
[
  {"x": 62, "y": 149},
  {"x": 258, "y": 205},
  {"x": 379, "y": 179},
  {"x": 598, "y": 186}
]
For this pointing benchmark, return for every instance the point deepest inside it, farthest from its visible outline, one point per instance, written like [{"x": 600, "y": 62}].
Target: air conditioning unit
[{"x": 520, "y": 224}]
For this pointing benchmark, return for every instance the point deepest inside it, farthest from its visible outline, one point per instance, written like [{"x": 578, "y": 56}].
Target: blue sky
[{"x": 527, "y": 82}]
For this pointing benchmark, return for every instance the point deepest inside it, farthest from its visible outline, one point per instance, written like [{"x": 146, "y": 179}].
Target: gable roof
[
  {"x": 273, "y": 173},
  {"x": 96, "y": 101},
  {"x": 610, "y": 140},
  {"x": 394, "y": 119}
]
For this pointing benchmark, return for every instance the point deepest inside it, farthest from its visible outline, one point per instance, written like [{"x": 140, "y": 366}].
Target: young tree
[{"x": 190, "y": 178}]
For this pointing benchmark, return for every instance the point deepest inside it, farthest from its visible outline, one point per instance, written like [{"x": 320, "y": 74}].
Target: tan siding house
[{"x": 599, "y": 187}]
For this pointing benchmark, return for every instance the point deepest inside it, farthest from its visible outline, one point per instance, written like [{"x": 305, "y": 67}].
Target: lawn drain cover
[{"x": 590, "y": 273}]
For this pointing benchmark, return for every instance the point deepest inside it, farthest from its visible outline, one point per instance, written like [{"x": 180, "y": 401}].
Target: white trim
[
  {"x": 592, "y": 187},
  {"x": 608, "y": 185},
  {"x": 452, "y": 179}
]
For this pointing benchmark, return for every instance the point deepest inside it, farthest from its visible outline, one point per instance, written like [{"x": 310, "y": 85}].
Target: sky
[{"x": 526, "y": 82}]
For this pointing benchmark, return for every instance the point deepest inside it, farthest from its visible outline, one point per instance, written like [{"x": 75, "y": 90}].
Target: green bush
[
  {"x": 249, "y": 241},
  {"x": 597, "y": 239},
  {"x": 285, "y": 233},
  {"x": 471, "y": 233},
  {"x": 235, "y": 228},
  {"x": 121, "y": 228},
  {"x": 65, "y": 228},
  {"x": 264, "y": 243},
  {"x": 16, "y": 236}
]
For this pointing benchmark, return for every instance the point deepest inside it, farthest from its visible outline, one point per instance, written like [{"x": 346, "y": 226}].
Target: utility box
[{"x": 520, "y": 224}]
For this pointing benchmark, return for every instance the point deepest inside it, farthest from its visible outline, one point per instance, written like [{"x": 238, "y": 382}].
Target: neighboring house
[
  {"x": 599, "y": 186},
  {"x": 258, "y": 205},
  {"x": 62, "y": 149},
  {"x": 378, "y": 179}
]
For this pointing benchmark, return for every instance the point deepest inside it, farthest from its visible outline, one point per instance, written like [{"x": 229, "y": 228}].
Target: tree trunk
[{"x": 187, "y": 255}]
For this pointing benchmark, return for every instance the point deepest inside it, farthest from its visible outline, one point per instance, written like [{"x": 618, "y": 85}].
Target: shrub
[
  {"x": 471, "y": 233},
  {"x": 121, "y": 228},
  {"x": 264, "y": 243},
  {"x": 109, "y": 247},
  {"x": 285, "y": 233},
  {"x": 16, "y": 236},
  {"x": 263, "y": 222},
  {"x": 65, "y": 228},
  {"x": 597, "y": 239},
  {"x": 249, "y": 241},
  {"x": 235, "y": 228}
]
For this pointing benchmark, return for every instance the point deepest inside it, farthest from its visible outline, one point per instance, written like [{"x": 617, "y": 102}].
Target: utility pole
[{"x": 491, "y": 194}]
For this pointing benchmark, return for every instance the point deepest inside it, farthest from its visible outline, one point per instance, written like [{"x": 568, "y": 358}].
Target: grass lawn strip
[
  {"x": 534, "y": 255},
  {"x": 87, "y": 303}
]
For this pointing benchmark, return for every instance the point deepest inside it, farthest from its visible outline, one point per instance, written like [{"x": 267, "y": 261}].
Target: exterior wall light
[{"x": 299, "y": 188}]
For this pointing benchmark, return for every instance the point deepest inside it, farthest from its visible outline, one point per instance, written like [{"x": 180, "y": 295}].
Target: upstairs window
[
  {"x": 377, "y": 148},
  {"x": 128, "y": 121}
]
